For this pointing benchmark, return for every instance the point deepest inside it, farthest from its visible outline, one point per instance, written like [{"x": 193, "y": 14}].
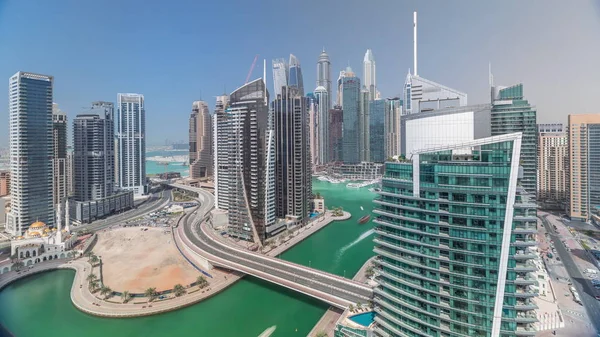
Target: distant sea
[{"x": 152, "y": 167}]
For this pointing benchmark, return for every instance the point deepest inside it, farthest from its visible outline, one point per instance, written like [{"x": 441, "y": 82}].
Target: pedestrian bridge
[{"x": 332, "y": 289}]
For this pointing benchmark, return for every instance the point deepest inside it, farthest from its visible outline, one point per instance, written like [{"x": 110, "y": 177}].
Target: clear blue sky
[{"x": 175, "y": 52}]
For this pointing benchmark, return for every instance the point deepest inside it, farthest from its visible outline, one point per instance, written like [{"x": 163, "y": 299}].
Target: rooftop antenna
[
  {"x": 265, "y": 79},
  {"x": 415, "y": 41},
  {"x": 491, "y": 76}
]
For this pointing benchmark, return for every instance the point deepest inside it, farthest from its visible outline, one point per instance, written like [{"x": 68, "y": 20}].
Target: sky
[{"x": 174, "y": 52}]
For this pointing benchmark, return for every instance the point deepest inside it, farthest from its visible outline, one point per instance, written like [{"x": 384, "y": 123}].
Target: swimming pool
[{"x": 365, "y": 319}]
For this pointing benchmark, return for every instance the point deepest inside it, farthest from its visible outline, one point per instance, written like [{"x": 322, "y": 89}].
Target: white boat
[
  {"x": 361, "y": 208},
  {"x": 268, "y": 332}
]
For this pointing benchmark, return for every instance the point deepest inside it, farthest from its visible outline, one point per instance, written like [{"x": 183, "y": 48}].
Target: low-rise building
[
  {"x": 4, "y": 183},
  {"x": 88, "y": 211}
]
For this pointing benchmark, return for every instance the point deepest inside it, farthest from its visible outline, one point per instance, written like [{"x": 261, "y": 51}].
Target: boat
[
  {"x": 268, "y": 332},
  {"x": 364, "y": 219},
  {"x": 361, "y": 208}
]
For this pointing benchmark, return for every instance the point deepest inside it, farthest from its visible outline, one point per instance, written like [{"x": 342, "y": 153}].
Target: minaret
[
  {"x": 58, "y": 224},
  {"x": 67, "y": 217}
]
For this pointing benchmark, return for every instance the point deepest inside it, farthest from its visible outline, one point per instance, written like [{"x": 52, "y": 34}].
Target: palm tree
[
  {"x": 150, "y": 293},
  {"x": 201, "y": 281},
  {"x": 358, "y": 305},
  {"x": 125, "y": 296},
  {"x": 94, "y": 259},
  {"x": 17, "y": 265},
  {"x": 351, "y": 308},
  {"x": 93, "y": 285},
  {"x": 92, "y": 277},
  {"x": 179, "y": 290},
  {"x": 106, "y": 291},
  {"x": 322, "y": 334}
]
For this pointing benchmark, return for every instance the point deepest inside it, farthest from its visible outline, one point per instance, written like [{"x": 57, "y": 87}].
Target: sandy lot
[{"x": 136, "y": 260}]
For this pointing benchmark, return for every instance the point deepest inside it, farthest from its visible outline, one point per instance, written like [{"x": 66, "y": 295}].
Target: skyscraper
[
  {"x": 369, "y": 74},
  {"x": 324, "y": 77},
  {"x": 336, "y": 122},
  {"x": 322, "y": 97},
  {"x": 293, "y": 176},
  {"x": 131, "y": 136},
  {"x": 59, "y": 149},
  {"x": 393, "y": 111},
  {"x": 553, "y": 158},
  {"x": 364, "y": 132},
  {"x": 221, "y": 169},
  {"x": 377, "y": 138},
  {"x": 31, "y": 151},
  {"x": 349, "y": 87},
  {"x": 246, "y": 163},
  {"x": 200, "y": 136},
  {"x": 313, "y": 126},
  {"x": 584, "y": 165},
  {"x": 453, "y": 238},
  {"x": 280, "y": 75},
  {"x": 512, "y": 113},
  {"x": 295, "y": 75}
]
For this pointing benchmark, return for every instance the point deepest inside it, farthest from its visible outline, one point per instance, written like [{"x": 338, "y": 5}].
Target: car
[{"x": 597, "y": 297}]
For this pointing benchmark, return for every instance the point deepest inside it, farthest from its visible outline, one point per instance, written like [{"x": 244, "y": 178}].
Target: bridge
[{"x": 197, "y": 236}]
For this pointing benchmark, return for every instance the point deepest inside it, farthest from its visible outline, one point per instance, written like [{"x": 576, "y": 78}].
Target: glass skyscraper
[
  {"x": 295, "y": 75},
  {"x": 349, "y": 86},
  {"x": 454, "y": 227},
  {"x": 31, "y": 151},
  {"x": 377, "y": 130},
  {"x": 131, "y": 138}
]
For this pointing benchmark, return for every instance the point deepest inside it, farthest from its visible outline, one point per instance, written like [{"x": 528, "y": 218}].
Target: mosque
[{"x": 42, "y": 243}]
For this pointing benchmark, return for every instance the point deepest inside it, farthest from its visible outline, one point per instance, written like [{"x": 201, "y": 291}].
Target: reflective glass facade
[
  {"x": 377, "y": 130},
  {"x": 351, "y": 106}
]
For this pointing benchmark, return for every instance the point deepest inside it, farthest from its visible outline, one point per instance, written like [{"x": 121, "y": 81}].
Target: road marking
[{"x": 575, "y": 313}]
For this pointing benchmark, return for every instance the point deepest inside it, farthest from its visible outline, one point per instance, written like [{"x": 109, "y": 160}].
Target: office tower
[
  {"x": 364, "y": 141},
  {"x": 584, "y": 165},
  {"x": 200, "y": 134},
  {"x": 4, "y": 183},
  {"x": 340, "y": 93},
  {"x": 336, "y": 122},
  {"x": 59, "y": 149},
  {"x": 31, "y": 151},
  {"x": 313, "y": 126},
  {"x": 446, "y": 126},
  {"x": 369, "y": 74},
  {"x": 393, "y": 111},
  {"x": 280, "y": 75},
  {"x": 552, "y": 156},
  {"x": 322, "y": 128},
  {"x": 94, "y": 152},
  {"x": 293, "y": 191},
  {"x": 453, "y": 237},
  {"x": 512, "y": 113},
  {"x": 295, "y": 75},
  {"x": 421, "y": 94},
  {"x": 131, "y": 136},
  {"x": 220, "y": 154},
  {"x": 350, "y": 91},
  {"x": 246, "y": 164},
  {"x": 324, "y": 77},
  {"x": 70, "y": 172},
  {"x": 377, "y": 131}
]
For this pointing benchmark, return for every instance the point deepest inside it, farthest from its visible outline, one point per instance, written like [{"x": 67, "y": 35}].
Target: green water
[{"x": 40, "y": 305}]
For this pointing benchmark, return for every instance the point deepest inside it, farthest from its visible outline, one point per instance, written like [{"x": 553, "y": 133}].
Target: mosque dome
[
  {"x": 47, "y": 230},
  {"x": 44, "y": 235},
  {"x": 37, "y": 224},
  {"x": 34, "y": 234}
]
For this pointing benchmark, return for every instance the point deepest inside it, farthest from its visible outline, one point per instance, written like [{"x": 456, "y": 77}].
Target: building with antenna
[{"x": 369, "y": 74}]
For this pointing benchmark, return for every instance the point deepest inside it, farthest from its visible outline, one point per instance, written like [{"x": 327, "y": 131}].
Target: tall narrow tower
[
  {"x": 369, "y": 75},
  {"x": 131, "y": 136},
  {"x": 324, "y": 76},
  {"x": 201, "y": 163},
  {"x": 59, "y": 150}
]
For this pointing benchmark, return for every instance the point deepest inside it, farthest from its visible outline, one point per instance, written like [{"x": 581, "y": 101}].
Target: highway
[{"x": 583, "y": 286}]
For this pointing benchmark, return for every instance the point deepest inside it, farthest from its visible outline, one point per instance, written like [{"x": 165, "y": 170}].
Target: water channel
[{"x": 40, "y": 305}]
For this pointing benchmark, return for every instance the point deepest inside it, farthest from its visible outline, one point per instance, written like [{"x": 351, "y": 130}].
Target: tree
[
  {"x": 201, "y": 281},
  {"x": 351, "y": 308},
  {"x": 322, "y": 334},
  {"x": 93, "y": 284},
  {"x": 94, "y": 259},
  {"x": 126, "y": 296},
  {"x": 92, "y": 277},
  {"x": 369, "y": 272},
  {"x": 18, "y": 265},
  {"x": 358, "y": 305},
  {"x": 106, "y": 291},
  {"x": 179, "y": 290},
  {"x": 150, "y": 293}
]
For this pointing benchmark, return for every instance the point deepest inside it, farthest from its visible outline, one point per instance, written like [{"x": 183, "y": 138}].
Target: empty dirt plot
[{"x": 135, "y": 260}]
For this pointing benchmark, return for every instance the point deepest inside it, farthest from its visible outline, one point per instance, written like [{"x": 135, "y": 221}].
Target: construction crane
[{"x": 251, "y": 69}]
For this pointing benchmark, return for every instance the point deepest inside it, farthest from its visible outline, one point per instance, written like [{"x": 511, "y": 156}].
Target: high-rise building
[
  {"x": 377, "y": 131},
  {"x": 245, "y": 175},
  {"x": 70, "y": 172},
  {"x": 584, "y": 165},
  {"x": 280, "y": 75},
  {"x": 324, "y": 76},
  {"x": 31, "y": 151},
  {"x": 295, "y": 75},
  {"x": 293, "y": 176},
  {"x": 131, "y": 136},
  {"x": 453, "y": 238},
  {"x": 313, "y": 128},
  {"x": 4, "y": 184},
  {"x": 553, "y": 157},
  {"x": 369, "y": 74},
  {"x": 200, "y": 134},
  {"x": 512, "y": 113},
  {"x": 349, "y": 87},
  {"x": 364, "y": 134},
  {"x": 94, "y": 152},
  {"x": 59, "y": 149},
  {"x": 335, "y": 127},
  {"x": 393, "y": 111},
  {"x": 221, "y": 169},
  {"x": 322, "y": 126}
]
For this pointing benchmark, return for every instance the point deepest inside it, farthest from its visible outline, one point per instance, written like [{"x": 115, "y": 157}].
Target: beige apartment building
[
  {"x": 584, "y": 165},
  {"x": 553, "y": 155},
  {"x": 4, "y": 183}
]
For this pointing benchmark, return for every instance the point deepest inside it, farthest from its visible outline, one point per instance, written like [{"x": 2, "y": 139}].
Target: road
[{"x": 583, "y": 286}]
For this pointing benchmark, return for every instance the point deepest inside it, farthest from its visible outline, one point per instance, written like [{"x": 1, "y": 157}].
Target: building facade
[
  {"x": 322, "y": 125},
  {"x": 364, "y": 129},
  {"x": 350, "y": 90},
  {"x": 584, "y": 165},
  {"x": 377, "y": 138},
  {"x": 336, "y": 122},
  {"x": 293, "y": 177},
  {"x": 220, "y": 153},
  {"x": 391, "y": 124},
  {"x": 4, "y": 183},
  {"x": 200, "y": 135},
  {"x": 452, "y": 242},
  {"x": 31, "y": 151},
  {"x": 280, "y": 75},
  {"x": 553, "y": 159},
  {"x": 59, "y": 149},
  {"x": 131, "y": 136},
  {"x": 512, "y": 113},
  {"x": 369, "y": 74},
  {"x": 550, "y": 128},
  {"x": 295, "y": 75},
  {"x": 324, "y": 77},
  {"x": 70, "y": 174},
  {"x": 421, "y": 94},
  {"x": 313, "y": 129},
  {"x": 245, "y": 176}
]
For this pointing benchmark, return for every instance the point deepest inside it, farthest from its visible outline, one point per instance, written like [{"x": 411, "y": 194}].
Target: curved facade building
[
  {"x": 295, "y": 75},
  {"x": 453, "y": 233}
]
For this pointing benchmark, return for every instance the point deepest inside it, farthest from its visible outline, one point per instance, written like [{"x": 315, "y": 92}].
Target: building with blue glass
[
  {"x": 350, "y": 90},
  {"x": 377, "y": 130}
]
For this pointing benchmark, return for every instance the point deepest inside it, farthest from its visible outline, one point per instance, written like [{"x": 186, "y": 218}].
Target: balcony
[
  {"x": 525, "y": 330},
  {"x": 525, "y": 305},
  {"x": 526, "y": 317},
  {"x": 524, "y": 267}
]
